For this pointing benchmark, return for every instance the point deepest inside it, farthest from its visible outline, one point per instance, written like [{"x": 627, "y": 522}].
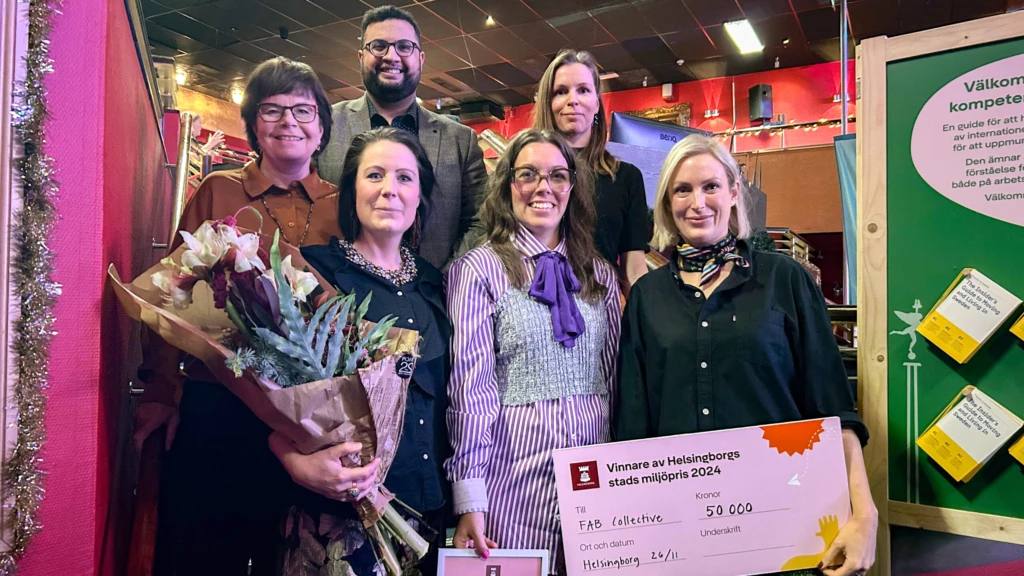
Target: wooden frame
[
  {"x": 13, "y": 45},
  {"x": 873, "y": 55},
  {"x": 445, "y": 553},
  {"x": 677, "y": 114}
]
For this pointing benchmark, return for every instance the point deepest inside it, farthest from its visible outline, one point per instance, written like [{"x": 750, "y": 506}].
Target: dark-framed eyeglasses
[
  {"x": 403, "y": 48},
  {"x": 303, "y": 113},
  {"x": 527, "y": 180}
]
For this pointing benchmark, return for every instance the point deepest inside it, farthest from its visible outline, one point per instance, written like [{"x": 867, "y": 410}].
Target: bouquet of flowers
[{"x": 312, "y": 369}]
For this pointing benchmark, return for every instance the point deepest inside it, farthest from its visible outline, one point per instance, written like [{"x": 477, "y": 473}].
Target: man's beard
[{"x": 390, "y": 93}]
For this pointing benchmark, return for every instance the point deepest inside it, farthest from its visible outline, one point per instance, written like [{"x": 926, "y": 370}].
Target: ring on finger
[{"x": 352, "y": 492}]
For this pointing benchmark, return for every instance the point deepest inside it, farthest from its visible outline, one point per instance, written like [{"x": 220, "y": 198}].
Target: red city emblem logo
[{"x": 584, "y": 475}]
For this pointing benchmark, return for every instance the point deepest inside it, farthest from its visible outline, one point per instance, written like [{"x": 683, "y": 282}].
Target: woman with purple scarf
[{"x": 536, "y": 313}]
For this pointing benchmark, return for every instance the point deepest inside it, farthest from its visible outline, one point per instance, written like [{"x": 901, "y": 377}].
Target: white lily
[
  {"x": 302, "y": 283},
  {"x": 205, "y": 247},
  {"x": 247, "y": 257},
  {"x": 170, "y": 282}
]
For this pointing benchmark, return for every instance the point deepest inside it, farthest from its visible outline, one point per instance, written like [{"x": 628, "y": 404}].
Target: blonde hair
[
  {"x": 666, "y": 234},
  {"x": 593, "y": 154}
]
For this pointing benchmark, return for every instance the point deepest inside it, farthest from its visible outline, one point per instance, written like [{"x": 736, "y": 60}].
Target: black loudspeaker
[{"x": 761, "y": 102}]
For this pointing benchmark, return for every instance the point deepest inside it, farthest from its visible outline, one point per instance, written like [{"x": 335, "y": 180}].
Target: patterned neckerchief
[{"x": 708, "y": 259}]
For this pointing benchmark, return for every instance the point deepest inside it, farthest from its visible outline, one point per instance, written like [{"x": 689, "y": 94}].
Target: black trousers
[{"x": 221, "y": 490}]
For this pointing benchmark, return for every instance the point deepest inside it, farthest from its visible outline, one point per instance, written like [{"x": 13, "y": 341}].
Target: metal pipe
[
  {"x": 732, "y": 144},
  {"x": 180, "y": 176},
  {"x": 844, "y": 56}
]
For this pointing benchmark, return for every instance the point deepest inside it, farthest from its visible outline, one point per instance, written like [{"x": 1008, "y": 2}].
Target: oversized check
[{"x": 727, "y": 503}]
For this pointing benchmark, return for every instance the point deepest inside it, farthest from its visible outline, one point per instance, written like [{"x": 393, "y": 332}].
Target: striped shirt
[{"x": 501, "y": 462}]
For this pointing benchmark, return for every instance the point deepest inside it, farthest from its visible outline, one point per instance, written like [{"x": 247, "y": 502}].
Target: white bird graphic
[{"x": 912, "y": 319}]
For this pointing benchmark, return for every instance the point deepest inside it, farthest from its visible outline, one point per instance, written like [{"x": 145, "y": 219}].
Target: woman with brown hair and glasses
[
  {"x": 569, "y": 101},
  {"x": 219, "y": 507},
  {"x": 535, "y": 313}
]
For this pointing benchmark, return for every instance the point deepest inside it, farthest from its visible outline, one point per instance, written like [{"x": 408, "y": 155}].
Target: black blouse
[
  {"x": 758, "y": 350},
  {"x": 621, "y": 213},
  {"x": 416, "y": 475}
]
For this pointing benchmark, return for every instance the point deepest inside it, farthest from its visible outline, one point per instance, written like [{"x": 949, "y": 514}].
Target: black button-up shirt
[
  {"x": 405, "y": 121},
  {"x": 416, "y": 475},
  {"x": 758, "y": 350}
]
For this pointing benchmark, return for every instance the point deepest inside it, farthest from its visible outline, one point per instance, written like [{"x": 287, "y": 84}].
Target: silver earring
[{"x": 595, "y": 119}]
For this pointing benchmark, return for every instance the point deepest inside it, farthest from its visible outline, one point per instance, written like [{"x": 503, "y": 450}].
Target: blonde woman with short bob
[{"x": 724, "y": 337}]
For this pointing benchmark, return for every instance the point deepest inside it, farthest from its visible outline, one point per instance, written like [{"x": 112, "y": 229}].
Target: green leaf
[{"x": 335, "y": 347}]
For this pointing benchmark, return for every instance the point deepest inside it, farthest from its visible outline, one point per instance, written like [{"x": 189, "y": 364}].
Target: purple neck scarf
[{"x": 554, "y": 284}]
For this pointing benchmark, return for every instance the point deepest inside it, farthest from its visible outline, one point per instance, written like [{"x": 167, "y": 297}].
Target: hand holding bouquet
[{"x": 315, "y": 372}]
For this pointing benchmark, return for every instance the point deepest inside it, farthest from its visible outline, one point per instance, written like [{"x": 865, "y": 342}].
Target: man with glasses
[{"x": 390, "y": 62}]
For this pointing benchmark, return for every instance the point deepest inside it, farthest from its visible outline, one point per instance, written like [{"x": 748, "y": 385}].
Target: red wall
[
  {"x": 105, "y": 142},
  {"x": 802, "y": 94}
]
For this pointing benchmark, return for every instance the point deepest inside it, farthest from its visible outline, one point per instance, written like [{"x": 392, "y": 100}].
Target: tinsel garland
[{"x": 31, "y": 271}]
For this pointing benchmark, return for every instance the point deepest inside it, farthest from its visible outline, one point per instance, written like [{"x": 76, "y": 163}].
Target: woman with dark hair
[
  {"x": 536, "y": 318},
  {"x": 218, "y": 510},
  {"x": 383, "y": 203},
  {"x": 569, "y": 101}
]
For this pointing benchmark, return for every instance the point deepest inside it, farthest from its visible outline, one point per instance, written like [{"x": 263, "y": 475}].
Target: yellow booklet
[
  {"x": 1018, "y": 327},
  {"x": 972, "y": 308},
  {"x": 1017, "y": 450},
  {"x": 968, "y": 432}
]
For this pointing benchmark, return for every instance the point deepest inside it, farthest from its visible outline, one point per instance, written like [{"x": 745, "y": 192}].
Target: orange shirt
[{"x": 221, "y": 194}]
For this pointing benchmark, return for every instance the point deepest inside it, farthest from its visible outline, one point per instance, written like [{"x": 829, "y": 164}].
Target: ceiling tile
[
  {"x": 330, "y": 83},
  {"x": 442, "y": 59},
  {"x": 459, "y": 13},
  {"x": 549, "y": 9},
  {"x": 541, "y": 36},
  {"x": 623, "y": 22},
  {"x": 671, "y": 73},
  {"x": 759, "y": 9},
  {"x": 708, "y": 68},
  {"x": 303, "y": 11},
  {"x": 507, "y": 74},
  {"x": 161, "y": 50},
  {"x": 820, "y": 24},
  {"x": 343, "y": 33},
  {"x": 823, "y": 51},
  {"x": 582, "y": 31},
  {"x": 248, "y": 51},
  {"x": 432, "y": 27},
  {"x": 216, "y": 17},
  {"x": 476, "y": 80},
  {"x": 916, "y": 15},
  {"x": 285, "y": 48},
  {"x": 613, "y": 58},
  {"x": 508, "y": 98},
  {"x": 178, "y": 4},
  {"x": 507, "y": 12},
  {"x": 150, "y": 8},
  {"x": 714, "y": 13},
  {"x": 795, "y": 55},
  {"x": 631, "y": 79},
  {"x": 427, "y": 93},
  {"x": 350, "y": 93},
  {"x": 690, "y": 44},
  {"x": 667, "y": 15},
  {"x": 773, "y": 31},
  {"x": 506, "y": 44},
  {"x": 344, "y": 9},
  {"x": 447, "y": 84},
  {"x": 874, "y": 18},
  {"x": 220, "y": 61},
  {"x": 172, "y": 39},
  {"x": 339, "y": 69},
  {"x": 470, "y": 50},
  {"x": 182, "y": 24},
  {"x": 534, "y": 67},
  {"x": 650, "y": 51},
  {"x": 720, "y": 38},
  {"x": 321, "y": 44},
  {"x": 528, "y": 92},
  {"x": 258, "y": 14}
]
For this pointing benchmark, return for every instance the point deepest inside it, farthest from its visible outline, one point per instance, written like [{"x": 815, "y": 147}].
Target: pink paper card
[
  {"x": 454, "y": 562},
  {"x": 727, "y": 503}
]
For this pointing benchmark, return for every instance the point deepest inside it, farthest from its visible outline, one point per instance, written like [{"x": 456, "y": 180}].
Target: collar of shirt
[
  {"x": 406, "y": 121},
  {"x": 256, "y": 184},
  {"x": 738, "y": 275},
  {"x": 530, "y": 247}
]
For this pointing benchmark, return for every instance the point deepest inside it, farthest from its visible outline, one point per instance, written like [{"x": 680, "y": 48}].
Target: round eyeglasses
[
  {"x": 403, "y": 48},
  {"x": 303, "y": 113},
  {"x": 527, "y": 180}
]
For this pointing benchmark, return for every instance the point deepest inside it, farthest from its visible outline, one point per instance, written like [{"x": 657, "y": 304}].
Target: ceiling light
[
  {"x": 609, "y": 75},
  {"x": 743, "y": 35},
  {"x": 490, "y": 21},
  {"x": 180, "y": 77},
  {"x": 680, "y": 62},
  {"x": 236, "y": 95},
  {"x": 645, "y": 81},
  {"x": 785, "y": 40}
]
